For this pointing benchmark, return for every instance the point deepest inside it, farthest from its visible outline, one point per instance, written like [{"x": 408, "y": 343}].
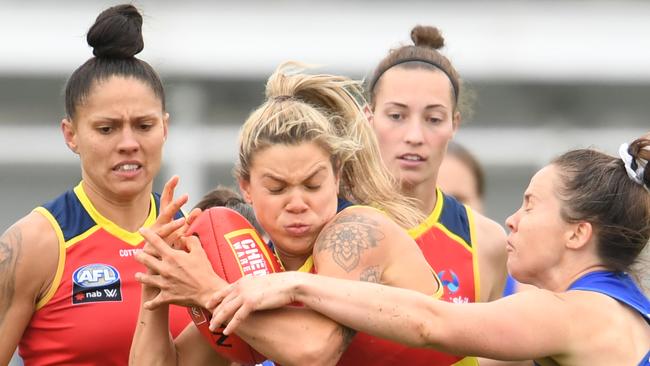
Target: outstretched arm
[{"x": 417, "y": 320}]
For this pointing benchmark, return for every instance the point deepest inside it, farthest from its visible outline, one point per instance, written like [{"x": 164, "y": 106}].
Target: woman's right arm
[
  {"x": 153, "y": 343},
  {"x": 29, "y": 254},
  {"x": 417, "y": 320}
]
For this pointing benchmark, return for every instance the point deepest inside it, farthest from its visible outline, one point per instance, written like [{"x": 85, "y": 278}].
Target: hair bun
[
  {"x": 427, "y": 36},
  {"x": 640, "y": 151},
  {"x": 117, "y": 32}
]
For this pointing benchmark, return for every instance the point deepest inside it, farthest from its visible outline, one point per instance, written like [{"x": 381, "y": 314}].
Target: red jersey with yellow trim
[
  {"x": 89, "y": 314},
  {"x": 445, "y": 238}
]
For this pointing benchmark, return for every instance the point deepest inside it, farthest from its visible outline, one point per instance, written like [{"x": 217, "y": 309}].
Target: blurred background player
[
  {"x": 415, "y": 95},
  {"x": 461, "y": 175}
]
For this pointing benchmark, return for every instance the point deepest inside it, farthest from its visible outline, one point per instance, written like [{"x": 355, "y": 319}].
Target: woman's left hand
[{"x": 184, "y": 277}]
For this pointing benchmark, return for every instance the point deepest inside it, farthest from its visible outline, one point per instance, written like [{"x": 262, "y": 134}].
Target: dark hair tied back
[
  {"x": 117, "y": 33},
  {"x": 426, "y": 36},
  {"x": 116, "y": 38},
  {"x": 423, "y": 54}
]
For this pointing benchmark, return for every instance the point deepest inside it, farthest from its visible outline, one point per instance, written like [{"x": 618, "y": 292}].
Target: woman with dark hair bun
[
  {"x": 416, "y": 98},
  {"x": 67, "y": 289},
  {"x": 584, "y": 221}
]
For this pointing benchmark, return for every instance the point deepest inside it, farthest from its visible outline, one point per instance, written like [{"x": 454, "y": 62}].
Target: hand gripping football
[{"x": 235, "y": 249}]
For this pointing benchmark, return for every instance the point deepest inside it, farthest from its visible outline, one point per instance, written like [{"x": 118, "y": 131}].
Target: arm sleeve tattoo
[{"x": 10, "y": 245}]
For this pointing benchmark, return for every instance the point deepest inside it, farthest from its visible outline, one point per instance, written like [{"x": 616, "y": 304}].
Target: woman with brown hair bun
[{"x": 416, "y": 98}]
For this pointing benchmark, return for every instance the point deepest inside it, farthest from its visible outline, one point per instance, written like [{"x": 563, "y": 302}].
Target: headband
[{"x": 416, "y": 59}]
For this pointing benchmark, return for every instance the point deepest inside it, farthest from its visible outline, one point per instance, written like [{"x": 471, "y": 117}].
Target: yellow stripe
[
  {"x": 81, "y": 236},
  {"x": 474, "y": 250},
  {"x": 431, "y": 220},
  {"x": 467, "y": 361},
  {"x": 308, "y": 265},
  {"x": 61, "y": 262},
  {"x": 440, "y": 291},
  {"x": 453, "y": 236},
  {"x": 131, "y": 238}
]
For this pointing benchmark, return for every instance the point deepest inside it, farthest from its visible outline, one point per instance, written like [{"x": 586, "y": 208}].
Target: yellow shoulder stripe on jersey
[
  {"x": 82, "y": 236},
  {"x": 308, "y": 265},
  {"x": 453, "y": 236},
  {"x": 431, "y": 220},
  {"x": 472, "y": 237},
  {"x": 467, "y": 361},
  {"x": 61, "y": 262},
  {"x": 132, "y": 238}
]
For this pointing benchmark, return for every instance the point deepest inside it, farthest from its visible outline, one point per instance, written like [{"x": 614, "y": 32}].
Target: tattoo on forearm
[
  {"x": 10, "y": 244},
  {"x": 346, "y": 237},
  {"x": 371, "y": 274}
]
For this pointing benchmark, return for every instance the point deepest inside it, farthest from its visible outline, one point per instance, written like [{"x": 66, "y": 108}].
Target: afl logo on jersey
[
  {"x": 96, "y": 283},
  {"x": 450, "y": 282},
  {"x": 95, "y": 275}
]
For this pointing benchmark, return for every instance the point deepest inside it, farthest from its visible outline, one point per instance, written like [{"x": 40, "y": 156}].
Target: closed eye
[{"x": 275, "y": 190}]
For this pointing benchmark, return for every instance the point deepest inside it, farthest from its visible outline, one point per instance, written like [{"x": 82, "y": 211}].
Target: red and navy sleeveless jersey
[
  {"x": 446, "y": 239},
  {"x": 89, "y": 314}
]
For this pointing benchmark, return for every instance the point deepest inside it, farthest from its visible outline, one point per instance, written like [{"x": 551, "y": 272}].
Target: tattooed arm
[
  {"x": 359, "y": 244},
  {"x": 28, "y": 259},
  {"x": 362, "y": 243}
]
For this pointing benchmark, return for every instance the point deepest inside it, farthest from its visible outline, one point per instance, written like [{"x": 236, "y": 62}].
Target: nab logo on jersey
[{"x": 96, "y": 283}]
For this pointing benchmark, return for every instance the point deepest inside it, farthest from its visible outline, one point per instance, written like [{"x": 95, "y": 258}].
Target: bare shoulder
[
  {"x": 489, "y": 233},
  {"x": 29, "y": 254},
  {"x": 28, "y": 262},
  {"x": 594, "y": 307},
  {"x": 602, "y": 320},
  {"x": 491, "y": 249},
  {"x": 354, "y": 240},
  {"x": 366, "y": 215},
  {"x": 362, "y": 243},
  {"x": 363, "y": 215}
]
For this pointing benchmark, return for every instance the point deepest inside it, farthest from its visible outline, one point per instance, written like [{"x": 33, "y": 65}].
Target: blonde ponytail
[{"x": 322, "y": 108}]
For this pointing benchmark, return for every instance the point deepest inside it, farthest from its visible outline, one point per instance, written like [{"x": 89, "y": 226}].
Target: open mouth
[
  {"x": 411, "y": 157},
  {"x": 127, "y": 168}
]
